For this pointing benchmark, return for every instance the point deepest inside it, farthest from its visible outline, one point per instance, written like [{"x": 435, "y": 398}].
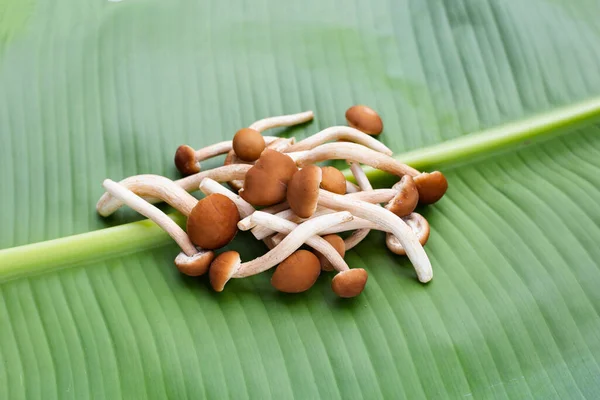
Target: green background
[{"x": 90, "y": 90}]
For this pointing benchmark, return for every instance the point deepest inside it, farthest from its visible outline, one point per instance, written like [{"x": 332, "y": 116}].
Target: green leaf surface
[{"x": 90, "y": 90}]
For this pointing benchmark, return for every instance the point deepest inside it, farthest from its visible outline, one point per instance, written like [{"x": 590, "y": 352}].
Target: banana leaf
[{"x": 501, "y": 96}]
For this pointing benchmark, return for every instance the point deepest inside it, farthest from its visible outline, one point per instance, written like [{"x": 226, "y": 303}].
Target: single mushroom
[
  {"x": 340, "y": 133},
  {"x": 187, "y": 159},
  {"x": 191, "y": 261},
  {"x": 418, "y": 224},
  {"x": 213, "y": 221},
  {"x": 227, "y": 266},
  {"x": 282, "y": 120},
  {"x": 364, "y": 119},
  {"x": 349, "y": 283},
  {"x": 143, "y": 186},
  {"x": 248, "y": 144},
  {"x": 431, "y": 186},
  {"x": 333, "y": 180},
  {"x": 266, "y": 182},
  {"x": 297, "y": 273},
  {"x": 280, "y": 145}
]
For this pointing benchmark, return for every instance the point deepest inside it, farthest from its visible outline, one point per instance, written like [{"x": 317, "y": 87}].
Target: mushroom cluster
[{"x": 284, "y": 199}]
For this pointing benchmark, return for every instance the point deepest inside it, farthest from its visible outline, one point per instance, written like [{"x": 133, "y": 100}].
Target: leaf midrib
[{"x": 44, "y": 256}]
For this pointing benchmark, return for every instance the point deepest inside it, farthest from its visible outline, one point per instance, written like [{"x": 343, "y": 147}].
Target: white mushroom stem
[
  {"x": 285, "y": 227},
  {"x": 291, "y": 242},
  {"x": 361, "y": 223},
  {"x": 269, "y": 242},
  {"x": 340, "y": 133},
  {"x": 108, "y": 204},
  {"x": 220, "y": 174},
  {"x": 352, "y": 152},
  {"x": 221, "y": 148},
  {"x": 209, "y": 186},
  {"x": 277, "y": 238},
  {"x": 274, "y": 209},
  {"x": 261, "y": 232},
  {"x": 373, "y": 196},
  {"x": 351, "y": 187},
  {"x": 388, "y": 220},
  {"x": 149, "y": 211},
  {"x": 360, "y": 176},
  {"x": 355, "y": 238},
  {"x": 246, "y": 223},
  {"x": 363, "y": 182},
  {"x": 150, "y": 186},
  {"x": 282, "y": 144},
  {"x": 282, "y": 120}
]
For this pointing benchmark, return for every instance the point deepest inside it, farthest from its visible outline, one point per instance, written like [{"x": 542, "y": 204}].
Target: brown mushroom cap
[
  {"x": 349, "y": 283},
  {"x": 213, "y": 222},
  {"x": 303, "y": 191},
  {"x": 333, "y": 180},
  {"x": 248, "y": 144},
  {"x": 337, "y": 243},
  {"x": 195, "y": 265},
  {"x": 420, "y": 227},
  {"x": 297, "y": 273},
  {"x": 364, "y": 119},
  {"x": 431, "y": 186},
  {"x": 185, "y": 160},
  {"x": 223, "y": 268},
  {"x": 266, "y": 182},
  {"x": 407, "y": 198}
]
